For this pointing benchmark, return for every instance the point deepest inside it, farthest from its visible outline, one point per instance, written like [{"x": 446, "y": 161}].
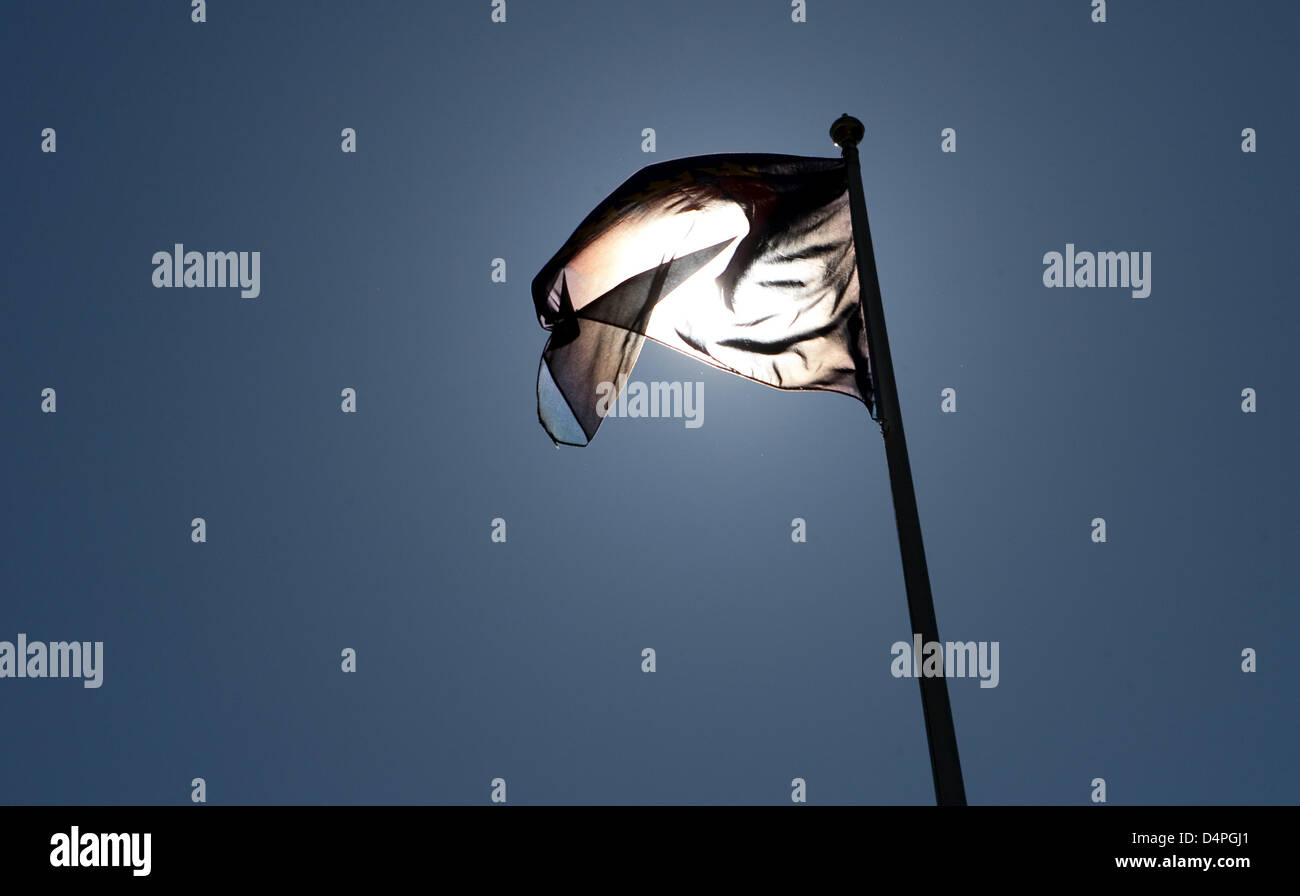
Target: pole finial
[{"x": 847, "y": 131}]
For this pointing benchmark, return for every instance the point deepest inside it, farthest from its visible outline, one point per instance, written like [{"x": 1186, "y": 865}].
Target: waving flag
[
  {"x": 761, "y": 265},
  {"x": 745, "y": 262}
]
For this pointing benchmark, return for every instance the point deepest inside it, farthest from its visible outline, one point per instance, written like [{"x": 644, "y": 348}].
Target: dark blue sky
[{"x": 371, "y": 531}]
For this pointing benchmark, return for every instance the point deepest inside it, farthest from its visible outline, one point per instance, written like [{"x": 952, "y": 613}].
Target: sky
[{"x": 522, "y": 660}]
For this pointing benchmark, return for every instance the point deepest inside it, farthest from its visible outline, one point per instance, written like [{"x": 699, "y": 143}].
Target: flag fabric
[{"x": 745, "y": 262}]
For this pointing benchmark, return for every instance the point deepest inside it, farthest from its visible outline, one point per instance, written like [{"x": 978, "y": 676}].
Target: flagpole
[{"x": 942, "y": 737}]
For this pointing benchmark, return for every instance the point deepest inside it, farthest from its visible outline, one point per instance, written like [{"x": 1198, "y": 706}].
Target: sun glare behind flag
[{"x": 745, "y": 262}]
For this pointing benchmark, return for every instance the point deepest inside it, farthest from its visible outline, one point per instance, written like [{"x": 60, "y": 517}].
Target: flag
[{"x": 745, "y": 262}]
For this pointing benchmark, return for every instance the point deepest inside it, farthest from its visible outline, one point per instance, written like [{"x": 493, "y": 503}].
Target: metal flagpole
[{"x": 944, "y": 763}]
